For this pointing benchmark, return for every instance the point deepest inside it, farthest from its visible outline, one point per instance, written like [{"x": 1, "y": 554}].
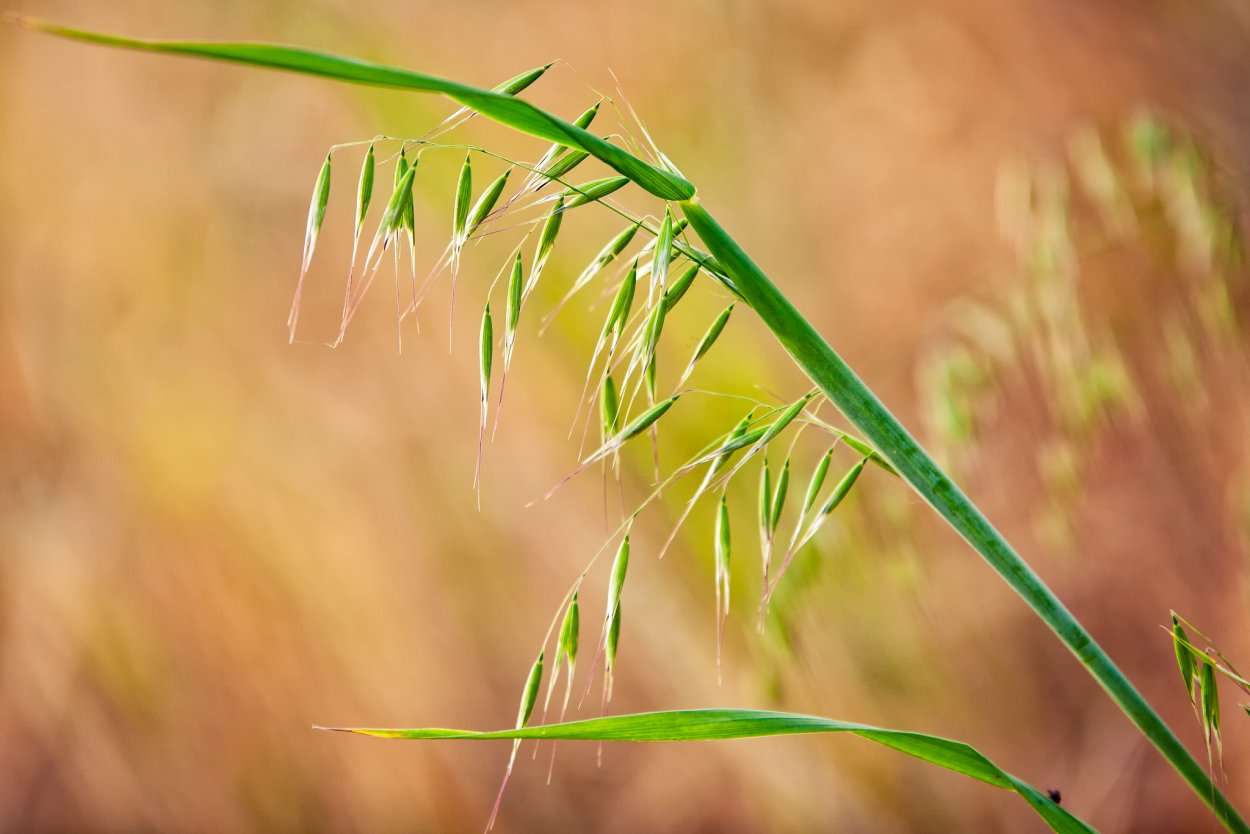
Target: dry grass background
[{"x": 211, "y": 540}]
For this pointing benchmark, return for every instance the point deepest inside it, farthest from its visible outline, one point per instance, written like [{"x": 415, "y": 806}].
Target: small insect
[{"x": 1055, "y": 796}]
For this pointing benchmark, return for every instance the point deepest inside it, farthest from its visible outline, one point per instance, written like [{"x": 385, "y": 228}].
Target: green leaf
[
  {"x": 718, "y": 724},
  {"x": 497, "y": 106}
]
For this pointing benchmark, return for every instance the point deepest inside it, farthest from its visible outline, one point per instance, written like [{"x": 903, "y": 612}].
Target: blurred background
[{"x": 1021, "y": 223}]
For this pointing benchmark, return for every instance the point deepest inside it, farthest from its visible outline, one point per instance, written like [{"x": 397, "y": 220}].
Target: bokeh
[{"x": 1022, "y": 224}]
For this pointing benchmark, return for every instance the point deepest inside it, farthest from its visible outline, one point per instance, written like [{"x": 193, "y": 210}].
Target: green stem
[{"x": 881, "y": 428}]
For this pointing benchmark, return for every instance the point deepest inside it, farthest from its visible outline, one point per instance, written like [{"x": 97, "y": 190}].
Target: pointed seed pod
[
  {"x": 316, "y": 211},
  {"x": 460, "y": 210},
  {"x": 406, "y": 215},
  {"x": 551, "y": 228},
  {"x": 609, "y": 408},
  {"x": 675, "y": 247},
  {"x": 530, "y": 695},
  {"x": 620, "y": 565},
  {"x": 568, "y": 160},
  {"x": 749, "y": 438},
  {"x": 644, "y": 422},
  {"x": 588, "y": 115},
  {"x": 841, "y": 490},
  {"x": 618, "y": 313},
  {"x": 817, "y": 481},
  {"x": 564, "y": 165},
  {"x": 486, "y": 203},
  {"x": 680, "y": 286},
  {"x": 566, "y": 649},
  {"x": 569, "y": 633},
  {"x": 663, "y": 250},
  {"x": 718, "y": 460},
  {"x": 512, "y": 312},
  {"x": 713, "y": 333},
  {"x": 721, "y": 456},
  {"x": 654, "y": 327},
  {"x": 860, "y": 446},
  {"x": 835, "y": 498},
  {"x": 611, "y": 250},
  {"x": 364, "y": 190},
  {"x": 766, "y": 499},
  {"x": 486, "y": 352},
  {"x": 613, "y": 641},
  {"x": 709, "y": 339},
  {"x": 612, "y": 622},
  {"x": 392, "y": 217},
  {"x": 617, "y": 245},
  {"x": 1184, "y": 658},
  {"x": 787, "y": 417},
  {"x": 723, "y": 550},
  {"x": 722, "y": 546},
  {"x": 518, "y": 83},
  {"x": 546, "y": 242},
  {"x": 583, "y": 121},
  {"x": 594, "y": 190},
  {"x": 779, "y": 498},
  {"x": 1210, "y": 702}
]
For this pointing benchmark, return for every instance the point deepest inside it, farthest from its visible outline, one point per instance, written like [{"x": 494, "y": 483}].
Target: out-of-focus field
[{"x": 1019, "y": 222}]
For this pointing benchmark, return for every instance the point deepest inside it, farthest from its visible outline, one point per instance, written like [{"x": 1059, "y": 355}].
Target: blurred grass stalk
[{"x": 805, "y": 345}]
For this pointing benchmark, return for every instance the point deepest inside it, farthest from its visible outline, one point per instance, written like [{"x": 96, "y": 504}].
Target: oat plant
[{"x": 680, "y": 234}]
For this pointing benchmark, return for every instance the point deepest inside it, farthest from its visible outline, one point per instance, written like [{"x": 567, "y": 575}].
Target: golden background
[{"x": 212, "y": 540}]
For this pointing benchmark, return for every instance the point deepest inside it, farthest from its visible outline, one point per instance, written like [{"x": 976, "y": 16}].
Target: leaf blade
[
  {"x": 724, "y": 724},
  {"x": 497, "y": 106}
]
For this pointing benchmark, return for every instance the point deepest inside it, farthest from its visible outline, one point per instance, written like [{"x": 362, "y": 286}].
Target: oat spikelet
[
  {"x": 459, "y": 230},
  {"x": 486, "y": 356},
  {"x": 316, "y": 214},
  {"x": 722, "y": 552},
  {"x": 529, "y": 697},
  {"x": 364, "y": 195},
  {"x": 835, "y": 498}
]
